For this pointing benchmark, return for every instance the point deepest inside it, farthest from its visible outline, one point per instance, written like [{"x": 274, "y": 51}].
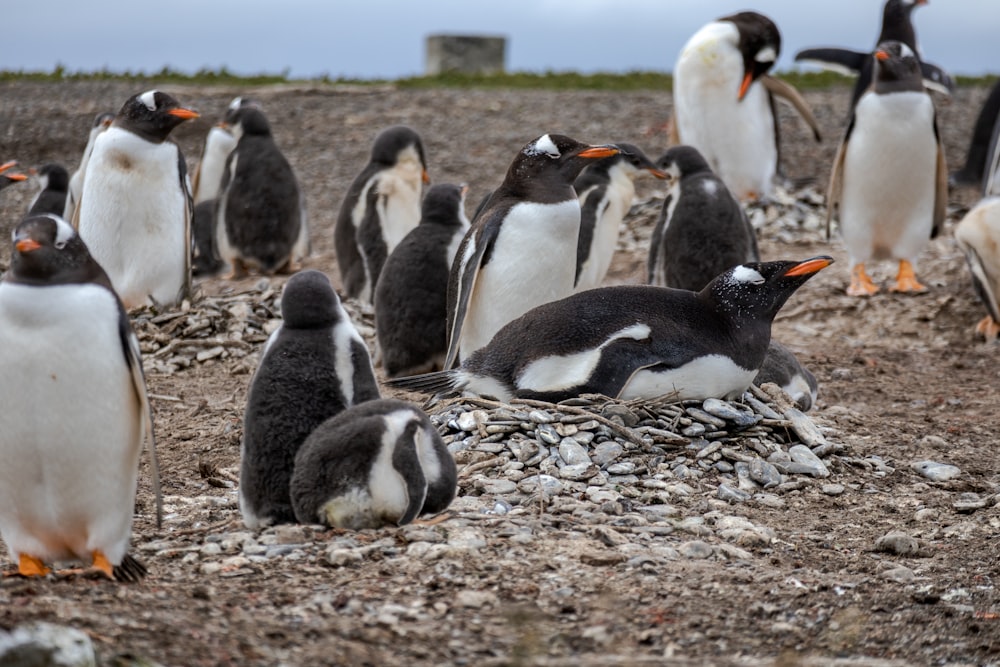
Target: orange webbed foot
[
  {"x": 29, "y": 566},
  {"x": 861, "y": 282},
  {"x": 988, "y": 328},
  {"x": 906, "y": 280}
]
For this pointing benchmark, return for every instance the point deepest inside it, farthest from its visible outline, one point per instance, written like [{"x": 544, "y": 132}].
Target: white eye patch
[
  {"x": 64, "y": 232},
  {"x": 905, "y": 51},
  {"x": 236, "y": 103},
  {"x": 766, "y": 55},
  {"x": 543, "y": 146},
  {"x": 744, "y": 274},
  {"x": 149, "y": 99}
]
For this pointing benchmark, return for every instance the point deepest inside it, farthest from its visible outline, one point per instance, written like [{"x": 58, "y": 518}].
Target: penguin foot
[
  {"x": 906, "y": 280},
  {"x": 29, "y": 566},
  {"x": 239, "y": 270},
  {"x": 988, "y": 328},
  {"x": 102, "y": 565},
  {"x": 861, "y": 282},
  {"x": 434, "y": 520}
]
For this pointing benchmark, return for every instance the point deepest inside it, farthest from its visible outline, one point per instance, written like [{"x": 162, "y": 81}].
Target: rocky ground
[{"x": 595, "y": 533}]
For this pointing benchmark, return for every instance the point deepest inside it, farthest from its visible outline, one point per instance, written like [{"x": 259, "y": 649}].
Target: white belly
[
  {"x": 70, "y": 426},
  {"x": 887, "y": 205},
  {"x": 712, "y": 376},
  {"x": 605, "y": 240},
  {"x": 399, "y": 207},
  {"x": 533, "y": 262},
  {"x": 218, "y": 145},
  {"x": 133, "y": 217}
]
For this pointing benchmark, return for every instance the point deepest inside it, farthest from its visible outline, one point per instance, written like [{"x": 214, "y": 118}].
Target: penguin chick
[
  {"x": 702, "y": 230},
  {"x": 261, "y": 220},
  {"x": 606, "y": 190},
  {"x": 889, "y": 178},
  {"x": 411, "y": 303},
  {"x": 73, "y": 407},
  {"x": 633, "y": 341},
  {"x": 978, "y": 236},
  {"x": 379, "y": 463},
  {"x": 380, "y": 208},
  {"x": 783, "y": 369},
  {"x": 53, "y": 181},
  {"x": 313, "y": 366}
]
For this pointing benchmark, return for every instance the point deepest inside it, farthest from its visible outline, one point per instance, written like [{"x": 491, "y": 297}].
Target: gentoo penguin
[
  {"x": 978, "y": 236},
  {"x": 219, "y": 143},
  {"x": 261, "y": 220},
  {"x": 205, "y": 260},
  {"x": 897, "y": 26},
  {"x": 723, "y": 101},
  {"x": 101, "y": 122},
  {"x": 376, "y": 464},
  {"x": 633, "y": 341},
  {"x": 982, "y": 161},
  {"x": 10, "y": 177},
  {"x": 702, "y": 230},
  {"x": 889, "y": 177},
  {"x": 312, "y": 367},
  {"x": 53, "y": 181},
  {"x": 605, "y": 190},
  {"x": 135, "y": 211},
  {"x": 411, "y": 297},
  {"x": 381, "y": 207},
  {"x": 783, "y": 369},
  {"x": 520, "y": 251},
  {"x": 73, "y": 407}
]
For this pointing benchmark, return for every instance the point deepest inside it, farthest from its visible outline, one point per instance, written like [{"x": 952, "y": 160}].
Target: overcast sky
[{"x": 385, "y": 38}]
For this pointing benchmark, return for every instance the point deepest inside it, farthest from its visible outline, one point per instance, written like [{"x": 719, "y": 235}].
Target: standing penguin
[
  {"x": 73, "y": 407},
  {"x": 135, "y": 211},
  {"x": 53, "y": 181},
  {"x": 605, "y": 189},
  {"x": 702, "y": 230},
  {"x": 381, "y": 207},
  {"x": 8, "y": 178},
  {"x": 101, "y": 122},
  {"x": 313, "y": 366},
  {"x": 411, "y": 298},
  {"x": 889, "y": 178},
  {"x": 978, "y": 236},
  {"x": 897, "y": 26},
  {"x": 520, "y": 251},
  {"x": 633, "y": 341},
  {"x": 261, "y": 221},
  {"x": 376, "y": 464},
  {"x": 722, "y": 111}
]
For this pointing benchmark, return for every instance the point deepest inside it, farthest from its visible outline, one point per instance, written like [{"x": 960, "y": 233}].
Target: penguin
[
  {"x": 722, "y": 111},
  {"x": 897, "y": 26},
  {"x": 889, "y": 178},
  {"x": 633, "y": 341},
  {"x": 260, "y": 220},
  {"x": 519, "y": 252},
  {"x": 73, "y": 407},
  {"x": 312, "y": 367},
  {"x": 205, "y": 260},
  {"x": 135, "y": 210},
  {"x": 102, "y": 121},
  {"x": 8, "y": 178},
  {"x": 605, "y": 190},
  {"x": 219, "y": 143},
  {"x": 783, "y": 369},
  {"x": 411, "y": 303},
  {"x": 376, "y": 464},
  {"x": 982, "y": 161},
  {"x": 701, "y": 230},
  {"x": 978, "y": 236},
  {"x": 53, "y": 181},
  {"x": 380, "y": 208}
]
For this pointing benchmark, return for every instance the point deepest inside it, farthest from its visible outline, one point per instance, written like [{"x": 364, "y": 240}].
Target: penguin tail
[
  {"x": 438, "y": 382},
  {"x": 130, "y": 570}
]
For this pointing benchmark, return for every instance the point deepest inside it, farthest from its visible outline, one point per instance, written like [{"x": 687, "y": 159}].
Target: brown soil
[{"x": 901, "y": 378}]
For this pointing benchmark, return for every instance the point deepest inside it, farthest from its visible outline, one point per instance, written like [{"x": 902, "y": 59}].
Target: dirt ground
[{"x": 902, "y": 379}]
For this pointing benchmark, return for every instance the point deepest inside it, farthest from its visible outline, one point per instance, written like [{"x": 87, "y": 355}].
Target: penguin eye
[{"x": 59, "y": 245}]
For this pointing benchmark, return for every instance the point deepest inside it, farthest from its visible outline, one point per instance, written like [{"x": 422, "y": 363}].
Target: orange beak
[
  {"x": 745, "y": 86},
  {"x": 658, "y": 173},
  {"x": 809, "y": 266},
  {"x": 425, "y": 176},
  {"x": 184, "y": 114},
  {"x": 16, "y": 177},
  {"x": 27, "y": 245},
  {"x": 7, "y": 165},
  {"x": 596, "y": 152},
  {"x": 881, "y": 55}
]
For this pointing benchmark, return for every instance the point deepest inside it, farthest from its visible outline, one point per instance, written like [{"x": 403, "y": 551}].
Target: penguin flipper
[
  {"x": 786, "y": 91},
  {"x": 937, "y": 79},
  {"x": 844, "y": 61},
  {"x": 134, "y": 360},
  {"x": 836, "y": 188},
  {"x": 188, "y": 215},
  {"x": 407, "y": 463},
  {"x": 991, "y": 172},
  {"x": 940, "y": 187},
  {"x": 462, "y": 282}
]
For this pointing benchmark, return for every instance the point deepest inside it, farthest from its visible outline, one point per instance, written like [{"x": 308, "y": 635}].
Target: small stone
[
  {"x": 46, "y": 645},
  {"x": 967, "y": 503},
  {"x": 466, "y": 538},
  {"x": 936, "y": 472},
  {"x": 832, "y": 489},
  {"x": 696, "y": 549},
  {"x": 764, "y": 473},
  {"x": 470, "y": 421},
  {"x": 609, "y": 536},
  {"x": 804, "y": 456},
  {"x": 342, "y": 557},
  {"x": 805, "y": 428},
  {"x": 496, "y": 487},
  {"x": 606, "y": 452},
  {"x": 901, "y": 575},
  {"x": 579, "y": 471},
  {"x": 289, "y": 534},
  {"x": 475, "y": 599},
  {"x": 547, "y": 484},
  {"x": 622, "y": 468},
  {"x": 731, "y": 495},
  {"x": 705, "y": 418},
  {"x": 541, "y": 417},
  {"x": 573, "y": 453},
  {"x": 694, "y": 430},
  {"x": 548, "y": 434},
  {"x": 602, "y": 558},
  {"x": 899, "y": 543}
]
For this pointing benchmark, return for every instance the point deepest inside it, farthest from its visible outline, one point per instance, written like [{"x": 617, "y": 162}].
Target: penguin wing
[
  {"x": 407, "y": 463},
  {"x": 133, "y": 358},
  {"x": 185, "y": 183},
  {"x": 845, "y": 61},
  {"x": 365, "y": 385},
  {"x": 937, "y": 79},
  {"x": 940, "y": 186},
  {"x": 590, "y": 212},
  {"x": 786, "y": 91},
  {"x": 991, "y": 172},
  {"x": 475, "y": 247},
  {"x": 982, "y": 281},
  {"x": 835, "y": 191}
]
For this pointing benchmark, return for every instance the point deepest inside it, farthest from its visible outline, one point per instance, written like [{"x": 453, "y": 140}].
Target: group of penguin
[{"x": 507, "y": 305}]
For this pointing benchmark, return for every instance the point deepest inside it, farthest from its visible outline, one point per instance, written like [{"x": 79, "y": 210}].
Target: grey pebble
[
  {"x": 696, "y": 549},
  {"x": 832, "y": 489},
  {"x": 573, "y": 453},
  {"x": 936, "y": 472},
  {"x": 802, "y": 455},
  {"x": 731, "y": 495},
  {"x": 897, "y": 542}
]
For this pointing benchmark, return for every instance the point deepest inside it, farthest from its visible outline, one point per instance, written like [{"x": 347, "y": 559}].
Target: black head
[
  {"x": 9, "y": 178},
  {"x": 896, "y": 22},
  {"x": 397, "y": 143},
  {"x": 681, "y": 161},
  {"x": 309, "y": 302},
  {"x": 632, "y": 155},
  {"x": 237, "y": 104},
  {"x": 48, "y": 251},
  {"x": 54, "y": 176},
  {"x": 897, "y": 68},
  {"x": 152, "y": 115},
  {"x": 758, "y": 290},
  {"x": 760, "y": 45},
  {"x": 248, "y": 120},
  {"x": 444, "y": 204},
  {"x": 555, "y": 158}
]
